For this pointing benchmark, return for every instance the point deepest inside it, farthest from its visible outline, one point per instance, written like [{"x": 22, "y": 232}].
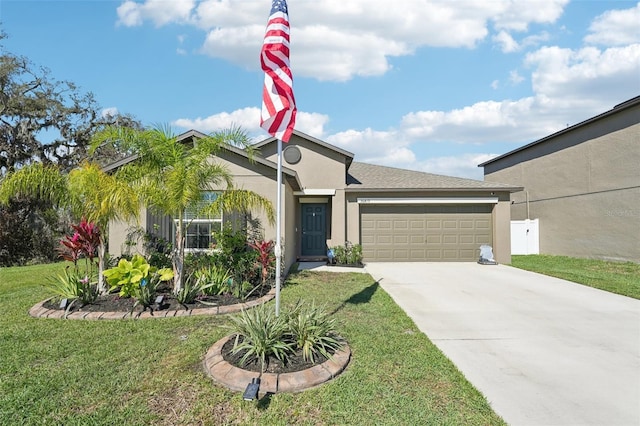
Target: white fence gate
[{"x": 525, "y": 236}]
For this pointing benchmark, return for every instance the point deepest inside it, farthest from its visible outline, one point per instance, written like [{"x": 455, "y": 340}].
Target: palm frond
[
  {"x": 241, "y": 200},
  {"x": 36, "y": 180}
]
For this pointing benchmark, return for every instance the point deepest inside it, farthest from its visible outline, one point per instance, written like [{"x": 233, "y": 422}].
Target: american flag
[{"x": 278, "y": 104}]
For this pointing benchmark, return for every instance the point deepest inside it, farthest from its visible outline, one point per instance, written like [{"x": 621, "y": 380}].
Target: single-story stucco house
[
  {"x": 328, "y": 198},
  {"x": 582, "y": 184}
]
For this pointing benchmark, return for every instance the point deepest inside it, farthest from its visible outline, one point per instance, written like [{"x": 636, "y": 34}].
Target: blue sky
[{"x": 436, "y": 86}]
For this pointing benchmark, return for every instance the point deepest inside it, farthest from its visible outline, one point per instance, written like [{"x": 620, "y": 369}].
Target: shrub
[
  {"x": 214, "y": 280},
  {"x": 74, "y": 286},
  {"x": 189, "y": 292},
  {"x": 78, "y": 283},
  {"x": 130, "y": 276},
  {"x": 260, "y": 334},
  {"x": 348, "y": 254},
  {"x": 312, "y": 331},
  {"x": 265, "y": 257}
]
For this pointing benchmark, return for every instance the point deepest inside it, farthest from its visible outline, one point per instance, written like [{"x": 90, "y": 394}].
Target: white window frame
[{"x": 190, "y": 220}]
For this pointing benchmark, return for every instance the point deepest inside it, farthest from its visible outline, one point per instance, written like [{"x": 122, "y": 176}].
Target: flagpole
[{"x": 278, "y": 249}]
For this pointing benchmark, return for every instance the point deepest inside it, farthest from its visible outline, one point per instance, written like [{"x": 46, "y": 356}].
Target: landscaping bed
[
  {"x": 116, "y": 303},
  {"x": 295, "y": 361}
]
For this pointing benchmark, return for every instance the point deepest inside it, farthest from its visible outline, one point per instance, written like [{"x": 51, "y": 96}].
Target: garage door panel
[
  {"x": 401, "y": 239},
  {"x": 416, "y": 239},
  {"x": 450, "y": 239},
  {"x": 450, "y": 255},
  {"x": 449, "y": 224},
  {"x": 417, "y": 255},
  {"x": 384, "y": 239},
  {"x": 434, "y": 224},
  {"x": 468, "y": 253},
  {"x": 425, "y": 232},
  {"x": 383, "y": 224},
  {"x": 417, "y": 225},
  {"x": 400, "y": 225},
  {"x": 482, "y": 224},
  {"x": 468, "y": 239},
  {"x": 434, "y": 239}
]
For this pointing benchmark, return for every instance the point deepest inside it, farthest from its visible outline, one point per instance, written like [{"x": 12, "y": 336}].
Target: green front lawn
[
  {"x": 150, "y": 371},
  {"x": 616, "y": 277}
]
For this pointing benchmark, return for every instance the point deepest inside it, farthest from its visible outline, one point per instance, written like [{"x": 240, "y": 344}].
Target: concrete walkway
[{"x": 543, "y": 351}]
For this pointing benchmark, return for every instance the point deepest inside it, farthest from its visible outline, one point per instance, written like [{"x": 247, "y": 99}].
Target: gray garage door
[{"x": 418, "y": 233}]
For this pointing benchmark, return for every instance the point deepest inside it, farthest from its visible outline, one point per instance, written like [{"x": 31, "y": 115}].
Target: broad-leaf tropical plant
[
  {"x": 87, "y": 191},
  {"x": 136, "y": 278},
  {"x": 171, "y": 175}
]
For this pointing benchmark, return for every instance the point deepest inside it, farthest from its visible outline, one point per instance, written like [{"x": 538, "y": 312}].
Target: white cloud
[
  {"x": 160, "y": 12},
  {"x": 464, "y": 165},
  {"x": 249, "y": 119},
  {"x": 482, "y": 122},
  {"x": 129, "y": 14},
  {"x": 568, "y": 85},
  {"x": 515, "y": 77},
  {"x": 573, "y": 77},
  {"x": 517, "y": 15},
  {"x": 535, "y": 39},
  {"x": 506, "y": 42},
  {"x": 337, "y": 40},
  {"x": 616, "y": 28},
  {"x": 381, "y": 147}
]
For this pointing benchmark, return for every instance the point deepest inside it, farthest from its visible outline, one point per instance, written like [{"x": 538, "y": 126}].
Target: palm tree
[
  {"x": 87, "y": 191},
  {"x": 171, "y": 177}
]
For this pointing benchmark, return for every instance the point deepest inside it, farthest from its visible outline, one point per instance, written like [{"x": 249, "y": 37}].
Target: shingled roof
[{"x": 371, "y": 177}]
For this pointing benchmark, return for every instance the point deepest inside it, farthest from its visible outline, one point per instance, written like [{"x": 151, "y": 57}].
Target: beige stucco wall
[
  {"x": 319, "y": 168},
  {"x": 262, "y": 180},
  {"x": 338, "y": 220},
  {"x": 501, "y": 215},
  {"x": 502, "y": 229},
  {"x": 587, "y": 194},
  {"x": 118, "y": 234}
]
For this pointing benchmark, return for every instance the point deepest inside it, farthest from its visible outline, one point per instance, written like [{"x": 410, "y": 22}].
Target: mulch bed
[
  {"x": 115, "y": 303},
  {"x": 295, "y": 362}
]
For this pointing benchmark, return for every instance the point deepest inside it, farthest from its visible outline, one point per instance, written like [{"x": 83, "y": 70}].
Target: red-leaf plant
[
  {"x": 83, "y": 243},
  {"x": 265, "y": 256}
]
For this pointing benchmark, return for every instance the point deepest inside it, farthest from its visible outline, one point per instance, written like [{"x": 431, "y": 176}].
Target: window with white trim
[{"x": 200, "y": 226}]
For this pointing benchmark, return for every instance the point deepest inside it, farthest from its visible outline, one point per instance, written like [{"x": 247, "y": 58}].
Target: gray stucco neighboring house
[
  {"x": 328, "y": 198},
  {"x": 582, "y": 183}
]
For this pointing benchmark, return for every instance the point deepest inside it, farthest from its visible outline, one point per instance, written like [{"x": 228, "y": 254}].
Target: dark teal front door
[{"x": 314, "y": 230}]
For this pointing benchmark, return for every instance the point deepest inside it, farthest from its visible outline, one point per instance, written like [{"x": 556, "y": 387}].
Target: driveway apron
[{"x": 543, "y": 351}]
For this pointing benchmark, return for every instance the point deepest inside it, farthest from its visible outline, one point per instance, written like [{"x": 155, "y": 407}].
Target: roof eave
[
  {"x": 616, "y": 109},
  {"x": 509, "y": 189}
]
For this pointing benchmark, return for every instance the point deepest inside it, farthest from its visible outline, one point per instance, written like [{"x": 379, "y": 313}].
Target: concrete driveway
[{"x": 543, "y": 351}]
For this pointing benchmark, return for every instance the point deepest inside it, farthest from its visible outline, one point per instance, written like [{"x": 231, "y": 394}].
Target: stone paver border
[
  {"x": 39, "y": 311},
  {"x": 237, "y": 379}
]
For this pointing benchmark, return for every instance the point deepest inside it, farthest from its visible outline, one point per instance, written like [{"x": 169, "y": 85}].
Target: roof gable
[
  {"x": 240, "y": 154},
  {"x": 348, "y": 156}
]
